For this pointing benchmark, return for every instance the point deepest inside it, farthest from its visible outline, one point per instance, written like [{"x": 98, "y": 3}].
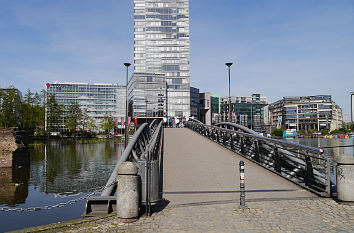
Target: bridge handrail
[
  {"x": 300, "y": 164},
  {"x": 142, "y": 133},
  {"x": 254, "y": 134}
]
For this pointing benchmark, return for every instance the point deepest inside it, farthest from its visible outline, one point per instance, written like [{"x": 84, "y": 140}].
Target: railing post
[
  {"x": 256, "y": 154},
  {"x": 328, "y": 177},
  {"x": 242, "y": 145},
  {"x": 277, "y": 161},
  {"x": 309, "y": 177},
  {"x": 231, "y": 142}
]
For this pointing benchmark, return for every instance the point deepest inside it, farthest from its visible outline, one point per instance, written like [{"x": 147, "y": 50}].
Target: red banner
[
  {"x": 122, "y": 121},
  {"x": 116, "y": 121},
  {"x": 129, "y": 119}
]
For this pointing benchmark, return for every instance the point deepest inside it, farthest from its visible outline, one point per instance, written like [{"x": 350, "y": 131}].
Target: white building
[
  {"x": 97, "y": 100},
  {"x": 161, "y": 46}
]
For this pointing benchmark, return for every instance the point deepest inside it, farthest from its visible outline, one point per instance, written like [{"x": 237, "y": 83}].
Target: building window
[{"x": 149, "y": 79}]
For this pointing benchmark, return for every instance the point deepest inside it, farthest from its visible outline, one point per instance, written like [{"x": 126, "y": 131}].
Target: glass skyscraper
[{"x": 161, "y": 46}]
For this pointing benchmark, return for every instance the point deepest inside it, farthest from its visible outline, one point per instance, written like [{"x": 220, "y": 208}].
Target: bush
[{"x": 277, "y": 132}]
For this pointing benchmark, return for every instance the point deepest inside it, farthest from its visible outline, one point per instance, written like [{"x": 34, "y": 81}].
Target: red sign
[
  {"x": 135, "y": 120},
  {"x": 48, "y": 85},
  {"x": 116, "y": 121},
  {"x": 129, "y": 119},
  {"x": 122, "y": 120}
]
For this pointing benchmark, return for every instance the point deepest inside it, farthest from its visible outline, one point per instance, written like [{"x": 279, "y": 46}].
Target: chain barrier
[{"x": 59, "y": 205}]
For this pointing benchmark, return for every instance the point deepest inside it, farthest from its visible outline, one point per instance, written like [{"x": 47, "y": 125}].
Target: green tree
[
  {"x": 54, "y": 114},
  {"x": 277, "y": 132},
  {"x": 10, "y": 112},
  {"x": 74, "y": 117},
  {"x": 107, "y": 124},
  {"x": 91, "y": 125}
]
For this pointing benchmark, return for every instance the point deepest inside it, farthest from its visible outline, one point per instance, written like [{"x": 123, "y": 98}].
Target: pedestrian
[
  {"x": 170, "y": 122},
  {"x": 173, "y": 122},
  {"x": 177, "y": 123},
  {"x": 164, "y": 121}
]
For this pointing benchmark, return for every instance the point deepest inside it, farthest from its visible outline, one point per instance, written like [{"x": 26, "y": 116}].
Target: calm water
[
  {"x": 59, "y": 172},
  {"x": 333, "y": 153}
]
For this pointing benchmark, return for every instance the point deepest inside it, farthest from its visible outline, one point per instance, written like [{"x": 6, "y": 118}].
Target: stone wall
[{"x": 14, "y": 151}]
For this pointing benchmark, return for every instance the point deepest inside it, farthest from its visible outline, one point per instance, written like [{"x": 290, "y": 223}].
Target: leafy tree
[
  {"x": 277, "y": 132},
  {"x": 74, "y": 117},
  {"x": 107, "y": 124},
  {"x": 54, "y": 114},
  {"x": 10, "y": 112},
  {"x": 91, "y": 125}
]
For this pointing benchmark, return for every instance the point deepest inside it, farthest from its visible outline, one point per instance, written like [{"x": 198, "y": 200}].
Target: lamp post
[
  {"x": 146, "y": 110},
  {"x": 229, "y": 64},
  {"x": 126, "y": 109}
]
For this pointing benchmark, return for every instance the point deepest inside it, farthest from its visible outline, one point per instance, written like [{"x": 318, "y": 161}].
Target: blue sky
[{"x": 279, "y": 48}]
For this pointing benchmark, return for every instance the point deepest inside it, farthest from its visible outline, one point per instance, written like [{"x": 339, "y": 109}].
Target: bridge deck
[{"x": 197, "y": 170}]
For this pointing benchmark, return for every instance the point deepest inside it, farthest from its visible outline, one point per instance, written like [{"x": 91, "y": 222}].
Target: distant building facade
[
  {"x": 306, "y": 113},
  {"x": 147, "y": 95},
  {"x": 194, "y": 93},
  {"x": 97, "y": 100},
  {"x": 209, "y": 107},
  {"x": 161, "y": 45},
  {"x": 246, "y": 110}
]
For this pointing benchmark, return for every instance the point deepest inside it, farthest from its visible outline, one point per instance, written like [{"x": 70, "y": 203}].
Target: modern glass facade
[
  {"x": 147, "y": 95},
  {"x": 161, "y": 46},
  {"x": 97, "y": 100},
  {"x": 194, "y": 93},
  {"x": 246, "y": 110}
]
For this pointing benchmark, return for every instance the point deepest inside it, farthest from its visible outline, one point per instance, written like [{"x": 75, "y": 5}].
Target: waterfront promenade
[{"x": 200, "y": 183}]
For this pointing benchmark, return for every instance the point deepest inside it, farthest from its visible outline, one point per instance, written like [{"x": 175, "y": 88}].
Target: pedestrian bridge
[
  {"x": 200, "y": 164},
  {"x": 196, "y": 170}
]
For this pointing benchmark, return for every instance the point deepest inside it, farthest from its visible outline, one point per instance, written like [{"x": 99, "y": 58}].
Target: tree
[
  {"x": 107, "y": 124},
  {"x": 277, "y": 132},
  {"x": 92, "y": 124},
  {"x": 54, "y": 114},
  {"x": 32, "y": 111},
  {"x": 10, "y": 112},
  {"x": 74, "y": 117}
]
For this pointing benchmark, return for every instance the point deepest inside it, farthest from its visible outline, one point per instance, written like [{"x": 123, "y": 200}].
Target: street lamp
[
  {"x": 146, "y": 110},
  {"x": 126, "y": 109},
  {"x": 228, "y": 65}
]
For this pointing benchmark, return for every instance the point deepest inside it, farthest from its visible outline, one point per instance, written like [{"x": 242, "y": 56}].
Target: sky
[{"x": 278, "y": 47}]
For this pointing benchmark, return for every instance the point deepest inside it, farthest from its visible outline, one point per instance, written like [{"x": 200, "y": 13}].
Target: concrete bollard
[
  {"x": 345, "y": 178},
  {"x": 127, "y": 191}
]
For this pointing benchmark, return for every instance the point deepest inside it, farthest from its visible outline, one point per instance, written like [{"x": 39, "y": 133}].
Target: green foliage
[
  {"x": 107, "y": 124},
  {"x": 54, "y": 114},
  {"x": 325, "y": 131},
  {"x": 301, "y": 132},
  {"x": 10, "y": 112},
  {"x": 277, "y": 132},
  {"x": 32, "y": 111},
  {"x": 74, "y": 117}
]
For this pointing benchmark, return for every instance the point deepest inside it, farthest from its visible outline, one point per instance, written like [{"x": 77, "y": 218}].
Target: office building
[
  {"x": 147, "y": 95},
  {"x": 246, "y": 110},
  {"x": 97, "y": 100},
  {"x": 209, "y": 108},
  {"x": 194, "y": 93},
  {"x": 306, "y": 113},
  {"x": 161, "y": 46}
]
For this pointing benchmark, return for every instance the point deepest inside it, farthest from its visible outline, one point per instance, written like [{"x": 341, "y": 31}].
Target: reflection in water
[
  {"x": 72, "y": 168},
  {"x": 14, "y": 185}
]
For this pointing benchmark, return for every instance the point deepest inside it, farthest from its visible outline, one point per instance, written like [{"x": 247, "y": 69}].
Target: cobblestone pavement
[{"x": 314, "y": 215}]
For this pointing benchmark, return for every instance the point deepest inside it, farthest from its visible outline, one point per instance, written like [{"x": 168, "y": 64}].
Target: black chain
[{"x": 59, "y": 205}]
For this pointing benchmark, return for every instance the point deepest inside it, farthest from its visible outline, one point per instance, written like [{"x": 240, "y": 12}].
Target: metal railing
[
  {"x": 303, "y": 165},
  {"x": 144, "y": 149}
]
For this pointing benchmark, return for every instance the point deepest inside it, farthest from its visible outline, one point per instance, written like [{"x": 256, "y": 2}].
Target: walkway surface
[
  {"x": 195, "y": 170},
  {"x": 196, "y": 174}
]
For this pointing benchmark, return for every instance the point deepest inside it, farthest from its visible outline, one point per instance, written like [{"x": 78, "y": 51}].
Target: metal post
[
  {"x": 228, "y": 65},
  {"x": 242, "y": 185},
  {"x": 126, "y": 109}
]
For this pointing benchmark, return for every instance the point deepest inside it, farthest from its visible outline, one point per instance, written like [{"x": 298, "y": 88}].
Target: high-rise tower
[{"x": 161, "y": 46}]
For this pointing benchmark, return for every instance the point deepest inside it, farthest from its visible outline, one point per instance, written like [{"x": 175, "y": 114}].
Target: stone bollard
[
  {"x": 345, "y": 178},
  {"x": 127, "y": 191}
]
